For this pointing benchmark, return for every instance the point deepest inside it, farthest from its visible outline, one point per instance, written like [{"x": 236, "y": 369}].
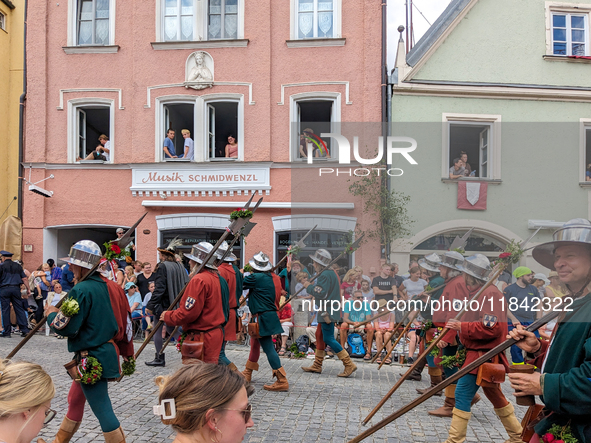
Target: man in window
[
  {"x": 169, "y": 151},
  {"x": 102, "y": 151},
  {"x": 457, "y": 170},
  {"x": 189, "y": 144}
]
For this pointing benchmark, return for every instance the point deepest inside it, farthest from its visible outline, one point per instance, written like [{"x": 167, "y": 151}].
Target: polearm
[
  {"x": 126, "y": 237},
  {"x": 404, "y": 331},
  {"x": 234, "y": 228},
  {"x": 406, "y": 314},
  {"x": 349, "y": 249},
  {"x": 244, "y": 232},
  {"x": 437, "y": 339},
  {"x": 452, "y": 379},
  {"x": 300, "y": 244}
]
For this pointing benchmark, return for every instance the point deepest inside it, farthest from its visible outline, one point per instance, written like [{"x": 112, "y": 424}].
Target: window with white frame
[
  {"x": 214, "y": 125},
  {"x": 570, "y": 34},
  {"x": 471, "y": 146},
  {"x": 92, "y": 22},
  {"x": 90, "y": 130},
  {"x": 2, "y": 21},
  {"x": 199, "y": 20},
  {"x": 313, "y": 115},
  {"x": 587, "y": 146},
  {"x": 318, "y": 19}
]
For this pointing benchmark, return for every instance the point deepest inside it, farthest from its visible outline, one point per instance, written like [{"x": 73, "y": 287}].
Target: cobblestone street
[{"x": 317, "y": 407}]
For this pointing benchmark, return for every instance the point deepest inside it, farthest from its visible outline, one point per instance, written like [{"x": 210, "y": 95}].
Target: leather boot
[
  {"x": 158, "y": 361},
  {"x": 448, "y": 404},
  {"x": 247, "y": 385},
  {"x": 510, "y": 422},
  {"x": 281, "y": 385},
  {"x": 250, "y": 366},
  {"x": 317, "y": 365},
  {"x": 116, "y": 436},
  {"x": 475, "y": 400},
  {"x": 435, "y": 375},
  {"x": 66, "y": 431},
  {"x": 459, "y": 426},
  {"x": 415, "y": 375},
  {"x": 350, "y": 367}
]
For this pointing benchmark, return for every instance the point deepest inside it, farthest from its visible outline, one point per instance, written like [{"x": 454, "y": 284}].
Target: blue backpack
[{"x": 356, "y": 348}]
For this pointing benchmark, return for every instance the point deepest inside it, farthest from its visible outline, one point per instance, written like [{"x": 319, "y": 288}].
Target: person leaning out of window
[
  {"x": 232, "y": 147},
  {"x": 588, "y": 173},
  {"x": 457, "y": 170},
  {"x": 210, "y": 404},
  {"x": 26, "y": 391}
]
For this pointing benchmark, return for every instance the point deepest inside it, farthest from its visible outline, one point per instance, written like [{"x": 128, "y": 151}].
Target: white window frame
[
  {"x": 73, "y": 133},
  {"x": 566, "y": 8},
  {"x": 3, "y": 21},
  {"x": 585, "y": 125},
  {"x": 494, "y": 145},
  {"x": 72, "y": 38},
  {"x": 200, "y": 130},
  {"x": 200, "y": 32},
  {"x": 337, "y": 20},
  {"x": 294, "y": 141}
]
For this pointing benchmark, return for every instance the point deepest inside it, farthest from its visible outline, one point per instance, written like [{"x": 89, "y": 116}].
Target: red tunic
[
  {"x": 201, "y": 310},
  {"x": 123, "y": 344},
  {"x": 486, "y": 328},
  {"x": 278, "y": 289},
  {"x": 227, "y": 272},
  {"x": 455, "y": 289}
]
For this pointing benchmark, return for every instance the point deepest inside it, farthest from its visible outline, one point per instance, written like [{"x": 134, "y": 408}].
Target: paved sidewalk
[{"x": 317, "y": 408}]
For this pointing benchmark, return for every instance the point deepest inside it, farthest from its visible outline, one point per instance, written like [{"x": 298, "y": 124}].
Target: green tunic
[
  {"x": 261, "y": 301},
  {"x": 433, "y": 283},
  {"x": 93, "y": 326},
  {"x": 327, "y": 288},
  {"x": 239, "y": 282},
  {"x": 567, "y": 373}
]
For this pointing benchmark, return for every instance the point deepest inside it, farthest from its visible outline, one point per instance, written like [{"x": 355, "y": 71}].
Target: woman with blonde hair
[
  {"x": 130, "y": 275},
  {"x": 350, "y": 284},
  {"x": 26, "y": 391},
  {"x": 204, "y": 403}
]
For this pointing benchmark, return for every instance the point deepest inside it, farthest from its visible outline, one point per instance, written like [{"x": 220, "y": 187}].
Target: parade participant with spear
[
  {"x": 564, "y": 362},
  {"x": 96, "y": 320},
  {"x": 203, "y": 309},
  {"x": 325, "y": 290},
  {"x": 263, "y": 304}
]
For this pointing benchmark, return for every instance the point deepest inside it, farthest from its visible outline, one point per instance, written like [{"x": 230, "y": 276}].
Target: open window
[
  {"x": 92, "y": 122},
  {"x": 312, "y": 116},
  {"x": 177, "y": 117},
  {"x": 222, "y": 128}
]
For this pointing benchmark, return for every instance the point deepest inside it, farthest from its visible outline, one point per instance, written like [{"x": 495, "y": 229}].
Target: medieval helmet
[
  {"x": 477, "y": 266},
  {"x": 322, "y": 257},
  {"x": 430, "y": 262},
  {"x": 452, "y": 259},
  {"x": 574, "y": 232},
  {"x": 84, "y": 253},
  {"x": 199, "y": 253},
  {"x": 260, "y": 262},
  {"x": 230, "y": 257}
]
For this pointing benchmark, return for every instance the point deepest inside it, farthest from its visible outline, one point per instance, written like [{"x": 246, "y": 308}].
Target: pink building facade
[{"x": 260, "y": 71}]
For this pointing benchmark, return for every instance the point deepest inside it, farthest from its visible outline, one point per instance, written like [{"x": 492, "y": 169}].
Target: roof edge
[{"x": 8, "y": 3}]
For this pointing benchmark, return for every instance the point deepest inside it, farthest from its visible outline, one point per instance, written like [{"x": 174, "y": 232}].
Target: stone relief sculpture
[{"x": 199, "y": 71}]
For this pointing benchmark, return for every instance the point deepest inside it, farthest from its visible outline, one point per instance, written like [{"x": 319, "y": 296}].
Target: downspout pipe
[
  {"x": 385, "y": 252},
  {"x": 21, "y": 122}
]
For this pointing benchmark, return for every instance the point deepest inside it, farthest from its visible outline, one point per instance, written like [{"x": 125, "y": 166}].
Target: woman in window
[
  {"x": 232, "y": 147},
  {"x": 467, "y": 167}
]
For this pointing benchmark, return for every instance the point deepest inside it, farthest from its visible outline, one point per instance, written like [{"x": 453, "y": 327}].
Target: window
[
  {"x": 222, "y": 19},
  {"x": 315, "y": 19},
  {"x": 333, "y": 242},
  {"x": 570, "y": 34},
  {"x": 211, "y": 120},
  {"x": 93, "y": 22},
  {"x": 179, "y": 19},
  {"x": 89, "y": 119},
  {"x": 473, "y": 139},
  {"x": 2, "y": 21},
  {"x": 587, "y": 145},
  {"x": 312, "y": 115}
]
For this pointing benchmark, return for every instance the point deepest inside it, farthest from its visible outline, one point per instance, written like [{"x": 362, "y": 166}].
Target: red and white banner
[{"x": 472, "y": 195}]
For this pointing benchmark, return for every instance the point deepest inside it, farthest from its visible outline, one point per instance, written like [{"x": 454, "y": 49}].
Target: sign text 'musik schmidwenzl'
[{"x": 176, "y": 177}]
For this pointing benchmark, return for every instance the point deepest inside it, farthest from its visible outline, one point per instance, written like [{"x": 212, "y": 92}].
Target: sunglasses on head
[{"x": 246, "y": 413}]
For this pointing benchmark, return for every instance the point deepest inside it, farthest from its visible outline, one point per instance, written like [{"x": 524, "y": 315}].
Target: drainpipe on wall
[
  {"x": 385, "y": 248},
  {"x": 21, "y": 123}
]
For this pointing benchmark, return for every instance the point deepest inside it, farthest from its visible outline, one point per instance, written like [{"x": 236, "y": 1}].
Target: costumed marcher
[
  {"x": 228, "y": 272},
  {"x": 12, "y": 277},
  {"x": 455, "y": 289},
  {"x": 262, "y": 302},
  {"x": 564, "y": 363},
  {"x": 203, "y": 310},
  {"x": 480, "y": 331},
  {"x": 101, "y": 328},
  {"x": 325, "y": 290},
  {"x": 171, "y": 278},
  {"x": 430, "y": 264}
]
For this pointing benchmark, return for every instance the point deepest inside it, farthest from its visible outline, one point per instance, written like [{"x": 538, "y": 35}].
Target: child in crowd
[
  {"x": 244, "y": 314},
  {"x": 147, "y": 319},
  {"x": 45, "y": 272},
  {"x": 53, "y": 299}
]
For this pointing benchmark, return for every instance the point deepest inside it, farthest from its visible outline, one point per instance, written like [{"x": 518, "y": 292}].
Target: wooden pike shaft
[
  {"x": 430, "y": 348},
  {"x": 450, "y": 380},
  {"x": 404, "y": 331}
]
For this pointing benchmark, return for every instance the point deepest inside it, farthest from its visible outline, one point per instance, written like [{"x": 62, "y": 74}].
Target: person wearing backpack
[{"x": 354, "y": 312}]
